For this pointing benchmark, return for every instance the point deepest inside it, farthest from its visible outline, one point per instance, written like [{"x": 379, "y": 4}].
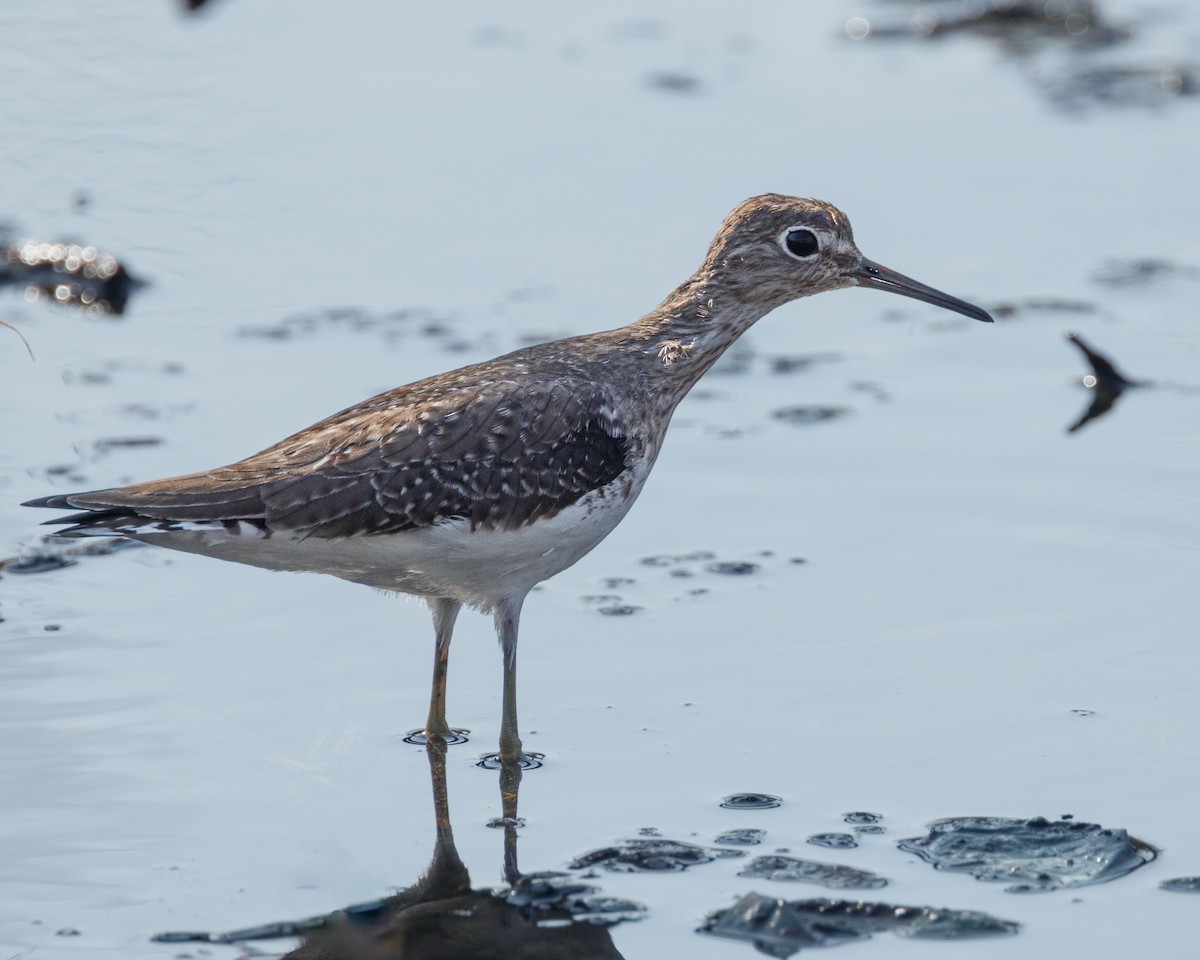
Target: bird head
[{"x": 773, "y": 249}]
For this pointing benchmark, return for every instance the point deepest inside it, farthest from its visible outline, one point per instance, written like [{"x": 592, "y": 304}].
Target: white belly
[{"x": 477, "y": 567}]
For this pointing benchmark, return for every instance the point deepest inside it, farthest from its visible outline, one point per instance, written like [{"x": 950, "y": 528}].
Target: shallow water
[{"x": 992, "y": 617}]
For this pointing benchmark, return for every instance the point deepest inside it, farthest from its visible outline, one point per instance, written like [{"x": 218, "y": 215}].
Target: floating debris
[
  {"x": 1105, "y": 381},
  {"x": 746, "y": 837},
  {"x": 801, "y": 416},
  {"x": 1039, "y": 854},
  {"x": 751, "y": 801},
  {"x": 28, "y": 348},
  {"x": 1181, "y": 885},
  {"x": 780, "y": 928},
  {"x": 833, "y": 875},
  {"x": 68, "y": 273},
  {"x": 629, "y": 856},
  {"x": 834, "y": 841}
]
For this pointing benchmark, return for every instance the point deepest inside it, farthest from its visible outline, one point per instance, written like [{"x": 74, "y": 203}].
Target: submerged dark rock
[{"x": 1038, "y": 854}]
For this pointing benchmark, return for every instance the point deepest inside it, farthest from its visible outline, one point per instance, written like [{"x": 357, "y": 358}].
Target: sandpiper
[{"x": 473, "y": 486}]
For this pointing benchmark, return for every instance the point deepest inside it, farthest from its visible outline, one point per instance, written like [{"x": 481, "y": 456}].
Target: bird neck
[{"x": 693, "y": 326}]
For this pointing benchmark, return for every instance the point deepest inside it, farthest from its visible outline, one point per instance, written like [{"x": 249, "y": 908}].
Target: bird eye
[{"x": 800, "y": 242}]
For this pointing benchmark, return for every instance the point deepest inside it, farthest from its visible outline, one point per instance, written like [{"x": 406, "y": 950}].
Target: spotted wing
[{"x": 499, "y": 454}]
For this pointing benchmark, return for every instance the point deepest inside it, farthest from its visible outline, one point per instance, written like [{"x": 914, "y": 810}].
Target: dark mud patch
[
  {"x": 780, "y": 928},
  {"x": 1039, "y": 854},
  {"x": 651, "y": 855},
  {"x": 1181, "y": 885},
  {"x": 745, "y": 837},
  {"x": 833, "y": 841},
  {"x": 792, "y": 869}
]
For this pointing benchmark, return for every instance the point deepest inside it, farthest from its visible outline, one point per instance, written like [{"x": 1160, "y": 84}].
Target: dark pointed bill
[{"x": 871, "y": 274}]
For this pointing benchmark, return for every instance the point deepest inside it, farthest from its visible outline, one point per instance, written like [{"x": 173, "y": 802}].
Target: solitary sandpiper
[{"x": 473, "y": 486}]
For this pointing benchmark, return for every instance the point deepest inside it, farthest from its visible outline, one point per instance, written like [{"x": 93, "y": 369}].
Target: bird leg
[
  {"x": 507, "y": 615},
  {"x": 445, "y": 611}
]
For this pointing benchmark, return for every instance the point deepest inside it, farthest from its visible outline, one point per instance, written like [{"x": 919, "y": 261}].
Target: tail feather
[{"x": 97, "y": 518}]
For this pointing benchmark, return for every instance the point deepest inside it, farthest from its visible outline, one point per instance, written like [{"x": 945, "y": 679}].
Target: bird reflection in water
[{"x": 440, "y": 917}]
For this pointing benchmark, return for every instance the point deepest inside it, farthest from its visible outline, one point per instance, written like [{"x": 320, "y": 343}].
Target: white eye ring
[{"x": 800, "y": 242}]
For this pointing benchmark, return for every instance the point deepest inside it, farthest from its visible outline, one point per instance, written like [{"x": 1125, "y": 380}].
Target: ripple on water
[
  {"x": 751, "y": 801},
  {"x": 1039, "y": 854}
]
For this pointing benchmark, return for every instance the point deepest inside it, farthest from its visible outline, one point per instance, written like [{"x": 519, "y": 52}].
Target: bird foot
[{"x": 452, "y": 736}]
